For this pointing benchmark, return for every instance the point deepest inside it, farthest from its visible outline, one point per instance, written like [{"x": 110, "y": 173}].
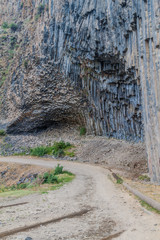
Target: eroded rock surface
[
  {"x": 93, "y": 62},
  {"x": 79, "y": 44}
]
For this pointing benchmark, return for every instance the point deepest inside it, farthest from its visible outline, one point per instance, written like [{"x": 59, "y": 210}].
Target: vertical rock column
[{"x": 149, "y": 61}]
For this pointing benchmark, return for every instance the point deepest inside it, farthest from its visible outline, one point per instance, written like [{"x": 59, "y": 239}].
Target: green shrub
[
  {"x": 22, "y": 186},
  {"x": 119, "y": 181},
  {"x": 82, "y": 131},
  {"x": 2, "y": 132},
  {"x": 58, "y": 177},
  {"x": 13, "y": 27},
  {"x": 41, "y": 9},
  {"x": 118, "y": 178},
  {"x": 49, "y": 178},
  {"x": 41, "y": 151},
  {"x": 70, "y": 154},
  {"x": 4, "y": 38},
  {"x": 13, "y": 187},
  {"x": 68, "y": 173},
  {"x": 5, "y": 25},
  {"x": 20, "y": 153},
  {"x": 144, "y": 178},
  {"x": 48, "y": 150},
  {"x": 38, "y": 151},
  {"x": 59, "y": 147},
  {"x": 13, "y": 41},
  {"x": 58, "y": 170},
  {"x": 58, "y": 150},
  {"x": 59, "y": 153}
]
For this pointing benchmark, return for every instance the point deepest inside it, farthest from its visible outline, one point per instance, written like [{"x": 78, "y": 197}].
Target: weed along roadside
[
  {"x": 145, "y": 201},
  {"x": 35, "y": 183},
  {"x": 113, "y": 211},
  {"x": 58, "y": 149},
  {"x": 2, "y": 133}
]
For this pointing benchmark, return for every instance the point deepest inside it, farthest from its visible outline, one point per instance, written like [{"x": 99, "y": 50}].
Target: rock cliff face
[{"x": 92, "y": 62}]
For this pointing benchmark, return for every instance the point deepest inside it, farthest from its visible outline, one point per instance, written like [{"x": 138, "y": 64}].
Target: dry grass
[{"x": 148, "y": 189}]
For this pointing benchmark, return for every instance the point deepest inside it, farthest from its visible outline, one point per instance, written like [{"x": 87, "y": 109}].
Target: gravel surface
[{"x": 112, "y": 209}]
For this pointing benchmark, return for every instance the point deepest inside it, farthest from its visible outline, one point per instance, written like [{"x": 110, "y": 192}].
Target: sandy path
[{"x": 113, "y": 210}]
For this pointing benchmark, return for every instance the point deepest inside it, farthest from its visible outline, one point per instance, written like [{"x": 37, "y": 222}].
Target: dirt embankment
[
  {"x": 126, "y": 157},
  {"x": 13, "y": 174}
]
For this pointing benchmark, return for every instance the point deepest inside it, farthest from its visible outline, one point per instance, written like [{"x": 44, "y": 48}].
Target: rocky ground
[
  {"x": 13, "y": 174},
  {"x": 128, "y": 158}
]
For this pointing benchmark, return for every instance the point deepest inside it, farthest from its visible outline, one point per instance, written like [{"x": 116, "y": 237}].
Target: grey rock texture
[{"x": 93, "y": 62}]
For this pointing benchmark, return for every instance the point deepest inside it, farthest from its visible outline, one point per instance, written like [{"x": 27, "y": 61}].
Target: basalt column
[
  {"x": 148, "y": 29},
  {"x": 92, "y": 62}
]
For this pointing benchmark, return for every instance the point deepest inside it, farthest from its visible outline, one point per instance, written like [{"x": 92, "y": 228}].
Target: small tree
[{"x": 13, "y": 27}]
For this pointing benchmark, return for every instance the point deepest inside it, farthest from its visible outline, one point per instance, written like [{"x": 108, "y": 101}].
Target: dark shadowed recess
[{"x": 38, "y": 125}]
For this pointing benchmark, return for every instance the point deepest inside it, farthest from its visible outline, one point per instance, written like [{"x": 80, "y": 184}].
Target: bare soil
[
  {"x": 11, "y": 173},
  {"x": 128, "y": 158},
  {"x": 113, "y": 212}
]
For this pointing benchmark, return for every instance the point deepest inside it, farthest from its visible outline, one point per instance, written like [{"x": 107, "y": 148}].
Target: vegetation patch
[
  {"x": 148, "y": 207},
  {"x": 38, "y": 151},
  {"x": 2, "y": 132},
  {"x": 13, "y": 27},
  {"x": 119, "y": 180},
  {"x": 4, "y": 38},
  {"x": 22, "y": 4},
  {"x": 59, "y": 149},
  {"x": 144, "y": 178},
  {"x": 51, "y": 180},
  {"x": 82, "y": 131},
  {"x": 26, "y": 64},
  {"x": 5, "y": 25},
  {"x": 41, "y": 9},
  {"x": 13, "y": 42}
]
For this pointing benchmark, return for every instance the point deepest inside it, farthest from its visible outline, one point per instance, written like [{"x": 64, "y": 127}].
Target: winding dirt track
[{"x": 110, "y": 211}]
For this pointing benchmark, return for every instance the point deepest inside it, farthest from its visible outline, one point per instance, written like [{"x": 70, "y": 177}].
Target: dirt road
[{"x": 112, "y": 212}]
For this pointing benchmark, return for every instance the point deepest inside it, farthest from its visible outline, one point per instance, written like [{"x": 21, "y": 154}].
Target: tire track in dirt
[
  {"x": 13, "y": 205},
  {"x": 92, "y": 188},
  {"x": 36, "y": 225}
]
